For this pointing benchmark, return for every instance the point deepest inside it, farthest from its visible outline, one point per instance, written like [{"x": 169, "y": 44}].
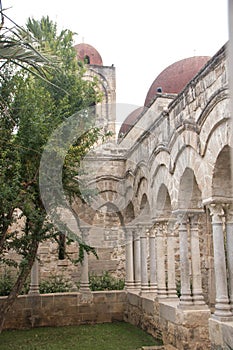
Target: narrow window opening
[
  {"x": 87, "y": 59},
  {"x": 61, "y": 246}
]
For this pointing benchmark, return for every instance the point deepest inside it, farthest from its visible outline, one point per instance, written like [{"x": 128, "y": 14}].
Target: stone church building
[{"x": 162, "y": 217}]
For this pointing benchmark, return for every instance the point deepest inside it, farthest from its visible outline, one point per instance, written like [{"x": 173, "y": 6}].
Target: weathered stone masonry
[{"x": 163, "y": 214}]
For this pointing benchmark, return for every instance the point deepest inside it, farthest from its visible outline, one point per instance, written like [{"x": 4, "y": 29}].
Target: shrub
[
  {"x": 105, "y": 282},
  {"x": 55, "y": 284},
  {"x": 6, "y": 283},
  {"x": 7, "y": 280}
]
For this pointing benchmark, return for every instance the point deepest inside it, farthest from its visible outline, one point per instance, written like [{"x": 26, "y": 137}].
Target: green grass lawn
[{"x": 108, "y": 336}]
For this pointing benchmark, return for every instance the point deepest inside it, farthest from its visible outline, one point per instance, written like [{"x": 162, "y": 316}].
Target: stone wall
[
  {"x": 63, "y": 309},
  {"x": 221, "y": 335},
  {"x": 183, "y": 329},
  {"x": 191, "y": 329}
]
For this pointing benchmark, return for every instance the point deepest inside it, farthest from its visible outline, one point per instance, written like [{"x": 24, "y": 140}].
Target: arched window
[{"x": 87, "y": 59}]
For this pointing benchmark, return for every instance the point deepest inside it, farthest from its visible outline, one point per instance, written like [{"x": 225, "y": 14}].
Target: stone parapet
[
  {"x": 64, "y": 309},
  {"x": 221, "y": 334},
  {"x": 178, "y": 328}
]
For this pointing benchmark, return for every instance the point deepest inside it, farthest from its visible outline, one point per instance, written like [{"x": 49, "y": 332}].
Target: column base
[
  {"x": 186, "y": 301},
  {"x": 144, "y": 289},
  {"x": 129, "y": 285},
  {"x": 198, "y": 299},
  {"x": 84, "y": 288},
  {"x": 223, "y": 311},
  {"x": 34, "y": 290},
  {"x": 137, "y": 286},
  {"x": 162, "y": 293},
  {"x": 153, "y": 288},
  {"x": 172, "y": 293}
]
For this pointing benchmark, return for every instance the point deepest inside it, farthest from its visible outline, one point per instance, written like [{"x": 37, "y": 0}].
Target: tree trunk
[{"x": 8, "y": 303}]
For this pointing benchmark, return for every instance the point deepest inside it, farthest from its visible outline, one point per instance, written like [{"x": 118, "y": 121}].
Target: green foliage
[
  {"x": 110, "y": 336},
  {"x": 55, "y": 284},
  {"x": 31, "y": 108},
  {"x": 7, "y": 281},
  {"x": 105, "y": 282}
]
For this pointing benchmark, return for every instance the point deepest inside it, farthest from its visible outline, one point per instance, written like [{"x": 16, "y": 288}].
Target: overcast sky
[{"x": 140, "y": 38}]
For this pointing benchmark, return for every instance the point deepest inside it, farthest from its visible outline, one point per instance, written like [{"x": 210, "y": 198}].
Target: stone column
[
  {"x": 144, "y": 270},
  {"x": 34, "y": 285},
  {"x": 160, "y": 250},
  {"x": 171, "y": 274},
  {"x": 129, "y": 258},
  {"x": 84, "y": 284},
  {"x": 229, "y": 247},
  {"x": 153, "y": 262},
  {"x": 137, "y": 259},
  {"x": 185, "y": 298},
  {"x": 222, "y": 306},
  {"x": 197, "y": 291}
]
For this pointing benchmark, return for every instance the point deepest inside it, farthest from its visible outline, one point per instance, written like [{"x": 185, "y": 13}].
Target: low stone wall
[
  {"x": 179, "y": 329},
  {"x": 221, "y": 335},
  {"x": 143, "y": 312},
  {"x": 63, "y": 309},
  {"x": 183, "y": 329}
]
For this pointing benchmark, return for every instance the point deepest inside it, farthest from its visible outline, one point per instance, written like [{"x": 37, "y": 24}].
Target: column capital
[
  {"x": 144, "y": 228},
  {"x": 152, "y": 232},
  {"x": 159, "y": 228},
  {"x": 181, "y": 216},
  {"x": 194, "y": 218},
  {"x": 216, "y": 212},
  {"x": 136, "y": 233},
  {"x": 228, "y": 208},
  {"x": 171, "y": 226},
  {"x": 129, "y": 232}
]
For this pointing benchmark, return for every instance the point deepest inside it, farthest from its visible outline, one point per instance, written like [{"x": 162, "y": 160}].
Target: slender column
[
  {"x": 84, "y": 284},
  {"x": 161, "y": 276},
  {"x": 144, "y": 270},
  {"x": 129, "y": 258},
  {"x": 222, "y": 306},
  {"x": 229, "y": 246},
  {"x": 153, "y": 263},
  {"x": 197, "y": 291},
  {"x": 34, "y": 285},
  {"x": 171, "y": 274},
  {"x": 185, "y": 298},
  {"x": 137, "y": 259}
]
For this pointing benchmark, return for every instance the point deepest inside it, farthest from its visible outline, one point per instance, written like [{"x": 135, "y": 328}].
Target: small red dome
[
  {"x": 130, "y": 120},
  {"x": 88, "y": 54},
  {"x": 175, "y": 77}
]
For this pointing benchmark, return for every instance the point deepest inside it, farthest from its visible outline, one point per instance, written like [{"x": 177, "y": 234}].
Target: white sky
[{"x": 140, "y": 38}]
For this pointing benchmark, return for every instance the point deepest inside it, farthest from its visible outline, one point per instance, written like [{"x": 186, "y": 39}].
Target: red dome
[
  {"x": 130, "y": 120},
  {"x": 175, "y": 77},
  {"x": 88, "y": 54}
]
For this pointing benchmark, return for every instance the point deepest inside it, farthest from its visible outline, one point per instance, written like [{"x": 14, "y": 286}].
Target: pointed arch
[
  {"x": 189, "y": 192},
  {"x": 222, "y": 175}
]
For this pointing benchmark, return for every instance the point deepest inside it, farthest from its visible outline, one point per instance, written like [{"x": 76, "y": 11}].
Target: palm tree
[{"x": 18, "y": 49}]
